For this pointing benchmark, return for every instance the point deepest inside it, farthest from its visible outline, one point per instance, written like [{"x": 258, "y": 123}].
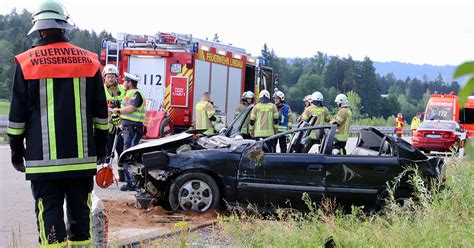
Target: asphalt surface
[{"x": 17, "y": 216}]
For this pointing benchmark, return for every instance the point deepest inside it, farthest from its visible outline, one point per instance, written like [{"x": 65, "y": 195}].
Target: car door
[
  {"x": 250, "y": 176},
  {"x": 289, "y": 175}
]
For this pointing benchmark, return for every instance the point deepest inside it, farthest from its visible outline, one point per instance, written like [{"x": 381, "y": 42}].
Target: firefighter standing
[
  {"x": 284, "y": 118},
  {"x": 316, "y": 109},
  {"x": 399, "y": 125},
  {"x": 307, "y": 101},
  {"x": 205, "y": 114},
  {"x": 415, "y": 123},
  {"x": 58, "y": 105},
  {"x": 114, "y": 93},
  {"x": 264, "y": 119},
  {"x": 343, "y": 120},
  {"x": 133, "y": 115},
  {"x": 247, "y": 101}
]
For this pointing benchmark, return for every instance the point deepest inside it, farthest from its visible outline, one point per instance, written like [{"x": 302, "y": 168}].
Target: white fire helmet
[
  {"x": 279, "y": 94},
  {"x": 131, "y": 77},
  {"x": 110, "y": 69},
  {"x": 317, "y": 96},
  {"x": 248, "y": 94},
  {"x": 341, "y": 100},
  {"x": 264, "y": 93},
  {"x": 308, "y": 98}
]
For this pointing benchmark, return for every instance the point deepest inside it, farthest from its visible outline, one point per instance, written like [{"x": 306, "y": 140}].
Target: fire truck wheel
[{"x": 166, "y": 128}]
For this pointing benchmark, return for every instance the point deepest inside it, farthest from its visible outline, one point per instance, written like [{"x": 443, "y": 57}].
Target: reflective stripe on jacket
[
  {"x": 58, "y": 105},
  {"x": 139, "y": 115},
  {"x": 264, "y": 115},
  {"x": 284, "y": 120},
  {"x": 343, "y": 120}
]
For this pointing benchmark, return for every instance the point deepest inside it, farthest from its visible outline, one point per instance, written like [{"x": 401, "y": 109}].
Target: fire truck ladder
[{"x": 112, "y": 53}]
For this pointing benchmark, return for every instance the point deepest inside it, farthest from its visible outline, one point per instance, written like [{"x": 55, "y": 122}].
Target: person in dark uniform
[{"x": 58, "y": 105}]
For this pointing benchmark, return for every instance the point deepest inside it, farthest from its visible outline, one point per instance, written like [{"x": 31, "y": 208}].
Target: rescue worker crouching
[
  {"x": 284, "y": 118},
  {"x": 247, "y": 101},
  {"x": 114, "y": 93},
  {"x": 206, "y": 115},
  {"x": 132, "y": 114},
  {"x": 316, "y": 109},
  {"x": 61, "y": 111},
  {"x": 343, "y": 120},
  {"x": 264, "y": 119}
]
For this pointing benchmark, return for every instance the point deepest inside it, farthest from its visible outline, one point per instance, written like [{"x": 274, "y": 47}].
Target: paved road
[{"x": 17, "y": 217}]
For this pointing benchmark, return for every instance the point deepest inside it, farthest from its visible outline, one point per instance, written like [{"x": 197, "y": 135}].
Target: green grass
[
  {"x": 4, "y": 107},
  {"x": 439, "y": 219}
]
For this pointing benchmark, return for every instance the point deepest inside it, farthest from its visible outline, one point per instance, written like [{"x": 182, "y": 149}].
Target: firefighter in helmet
[
  {"x": 343, "y": 120},
  {"x": 307, "y": 101},
  {"x": 399, "y": 125},
  {"x": 264, "y": 119},
  {"x": 206, "y": 114},
  {"x": 322, "y": 113},
  {"x": 132, "y": 114},
  {"x": 114, "y": 93},
  {"x": 285, "y": 118},
  {"x": 58, "y": 105},
  {"x": 247, "y": 101}
]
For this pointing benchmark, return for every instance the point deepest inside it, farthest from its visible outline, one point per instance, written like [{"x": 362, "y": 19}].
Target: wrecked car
[{"x": 188, "y": 171}]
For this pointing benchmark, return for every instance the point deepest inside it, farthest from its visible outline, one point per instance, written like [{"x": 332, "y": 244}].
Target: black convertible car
[{"x": 188, "y": 171}]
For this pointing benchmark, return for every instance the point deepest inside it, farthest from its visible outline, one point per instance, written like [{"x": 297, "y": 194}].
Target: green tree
[{"x": 355, "y": 104}]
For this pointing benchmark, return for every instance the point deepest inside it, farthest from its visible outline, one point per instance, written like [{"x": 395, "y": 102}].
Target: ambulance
[
  {"x": 446, "y": 107},
  {"x": 176, "y": 69}
]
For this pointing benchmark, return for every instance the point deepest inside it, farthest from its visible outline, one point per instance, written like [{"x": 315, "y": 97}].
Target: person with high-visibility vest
[
  {"x": 247, "y": 101},
  {"x": 285, "y": 118},
  {"x": 58, "y": 105},
  {"x": 316, "y": 109},
  {"x": 399, "y": 125},
  {"x": 343, "y": 120},
  {"x": 206, "y": 115},
  {"x": 133, "y": 114},
  {"x": 264, "y": 119},
  {"x": 415, "y": 123},
  {"x": 114, "y": 93}
]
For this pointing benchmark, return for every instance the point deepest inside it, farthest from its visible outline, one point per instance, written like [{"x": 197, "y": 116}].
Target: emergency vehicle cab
[
  {"x": 446, "y": 107},
  {"x": 176, "y": 69}
]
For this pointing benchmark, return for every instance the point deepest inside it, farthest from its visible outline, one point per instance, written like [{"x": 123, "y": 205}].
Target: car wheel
[{"x": 194, "y": 191}]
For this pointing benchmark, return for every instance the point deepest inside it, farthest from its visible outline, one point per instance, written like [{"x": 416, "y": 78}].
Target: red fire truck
[{"x": 175, "y": 70}]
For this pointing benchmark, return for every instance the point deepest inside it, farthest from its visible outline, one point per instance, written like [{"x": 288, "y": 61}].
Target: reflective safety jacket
[
  {"x": 205, "y": 111},
  {"x": 399, "y": 124},
  {"x": 264, "y": 115},
  {"x": 343, "y": 120},
  {"x": 284, "y": 118},
  {"x": 321, "y": 112},
  {"x": 58, "y": 105},
  {"x": 415, "y": 123},
  {"x": 114, "y": 101},
  {"x": 139, "y": 115}
]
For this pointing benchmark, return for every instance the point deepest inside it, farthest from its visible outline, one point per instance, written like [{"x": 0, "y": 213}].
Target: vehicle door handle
[
  {"x": 315, "y": 167},
  {"x": 381, "y": 170}
]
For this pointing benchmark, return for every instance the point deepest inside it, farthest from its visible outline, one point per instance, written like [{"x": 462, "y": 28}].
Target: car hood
[{"x": 155, "y": 144}]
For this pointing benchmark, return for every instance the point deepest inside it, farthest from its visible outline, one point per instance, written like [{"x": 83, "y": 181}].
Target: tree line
[
  {"x": 372, "y": 95},
  {"x": 13, "y": 40}
]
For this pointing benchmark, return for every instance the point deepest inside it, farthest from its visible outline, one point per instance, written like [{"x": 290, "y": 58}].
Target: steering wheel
[{"x": 382, "y": 144}]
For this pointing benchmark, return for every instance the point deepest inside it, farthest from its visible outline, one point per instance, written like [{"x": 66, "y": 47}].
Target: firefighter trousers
[
  {"x": 131, "y": 137},
  {"x": 49, "y": 198}
]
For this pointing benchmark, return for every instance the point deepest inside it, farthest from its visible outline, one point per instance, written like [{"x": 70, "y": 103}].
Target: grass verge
[
  {"x": 4, "y": 107},
  {"x": 438, "y": 219}
]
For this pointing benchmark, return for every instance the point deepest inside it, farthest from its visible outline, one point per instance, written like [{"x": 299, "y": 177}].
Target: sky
[{"x": 417, "y": 31}]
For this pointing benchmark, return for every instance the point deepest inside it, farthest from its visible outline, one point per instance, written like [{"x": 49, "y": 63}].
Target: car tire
[{"x": 194, "y": 191}]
